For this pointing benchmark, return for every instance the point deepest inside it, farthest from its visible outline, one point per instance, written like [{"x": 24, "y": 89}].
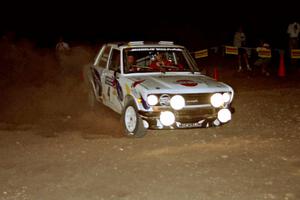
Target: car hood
[{"x": 179, "y": 84}]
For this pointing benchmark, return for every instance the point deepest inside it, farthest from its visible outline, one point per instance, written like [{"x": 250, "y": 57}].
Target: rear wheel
[{"x": 131, "y": 121}]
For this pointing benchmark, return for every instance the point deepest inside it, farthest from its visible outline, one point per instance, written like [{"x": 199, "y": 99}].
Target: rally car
[{"x": 157, "y": 86}]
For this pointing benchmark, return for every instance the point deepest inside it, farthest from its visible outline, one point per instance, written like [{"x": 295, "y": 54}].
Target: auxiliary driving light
[
  {"x": 167, "y": 118},
  {"x": 224, "y": 115}
]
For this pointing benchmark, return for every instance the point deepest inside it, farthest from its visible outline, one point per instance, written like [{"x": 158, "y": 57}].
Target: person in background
[
  {"x": 239, "y": 41},
  {"x": 293, "y": 32},
  {"x": 263, "y": 62},
  {"x": 62, "y": 52},
  {"x": 62, "y": 46}
]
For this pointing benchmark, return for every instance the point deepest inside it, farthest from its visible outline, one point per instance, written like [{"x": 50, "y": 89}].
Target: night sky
[{"x": 196, "y": 26}]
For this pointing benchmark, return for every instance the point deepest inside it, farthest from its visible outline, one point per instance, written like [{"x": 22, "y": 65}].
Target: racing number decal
[
  {"x": 119, "y": 90},
  {"x": 109, "y": 81},
  {"x": 112, "y": 82}
]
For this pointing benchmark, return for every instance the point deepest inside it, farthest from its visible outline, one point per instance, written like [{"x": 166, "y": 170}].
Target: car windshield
[{"x": 157, "y": 59}]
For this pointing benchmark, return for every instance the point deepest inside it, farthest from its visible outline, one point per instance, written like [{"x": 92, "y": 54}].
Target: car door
[
  {"x": 99, "y": 66},
  {"x": 112, "y": 89}
]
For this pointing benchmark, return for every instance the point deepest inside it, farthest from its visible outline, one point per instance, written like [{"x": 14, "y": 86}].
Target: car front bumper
[{"x": 185, "y": 118}]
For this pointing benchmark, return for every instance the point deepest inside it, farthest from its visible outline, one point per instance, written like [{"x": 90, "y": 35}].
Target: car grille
[
  {"x": 185, "y": 115},
  {"x": 197, "y": 99},
  {"x": 193, "y": 115},
  {"x": 194, "y": 112}
]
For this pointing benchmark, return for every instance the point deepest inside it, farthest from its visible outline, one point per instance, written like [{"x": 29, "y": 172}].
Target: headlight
[
  {"x": 177, "y": 102},
  {"x": 217, "y": 100},
  {"x": 167, "y": 118},
  {"x": 226, "y": 97},
  {"x": 152, "y": 100},
  {"x": 224, "y": 115}
]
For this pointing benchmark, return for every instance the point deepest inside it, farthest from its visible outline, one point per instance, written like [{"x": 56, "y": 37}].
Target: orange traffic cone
[
  {"x": 281, "y": 69},
  {"x": 216, "y": 75}
]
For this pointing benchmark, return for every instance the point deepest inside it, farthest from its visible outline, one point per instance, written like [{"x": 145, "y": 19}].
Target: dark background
[{"x": 196, "y": 25}]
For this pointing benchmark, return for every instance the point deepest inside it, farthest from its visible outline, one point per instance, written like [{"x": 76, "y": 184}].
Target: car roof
[{"x": 123, "y": 45}]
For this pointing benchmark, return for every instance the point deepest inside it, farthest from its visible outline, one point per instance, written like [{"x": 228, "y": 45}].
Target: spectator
[
  {"x": 239, "y": 41},
  {"x": 293, "y": 32},
  {"x": 62, "y": 52},
  {"x": 263, "y": 61},
  {"x": 62, "y": 46}
]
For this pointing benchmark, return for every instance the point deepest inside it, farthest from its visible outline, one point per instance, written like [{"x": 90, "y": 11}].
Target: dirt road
[{"x": 52, "y": 148}]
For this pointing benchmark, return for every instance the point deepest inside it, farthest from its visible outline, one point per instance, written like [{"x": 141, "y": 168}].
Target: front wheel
[{"x": 131, "y": 121}]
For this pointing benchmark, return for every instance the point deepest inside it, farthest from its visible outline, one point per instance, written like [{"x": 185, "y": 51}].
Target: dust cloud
[{"x": 40, "y": 88}]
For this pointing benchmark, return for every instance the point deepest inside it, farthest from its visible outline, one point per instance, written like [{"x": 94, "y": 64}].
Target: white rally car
[{"x": 157, "y": 86}]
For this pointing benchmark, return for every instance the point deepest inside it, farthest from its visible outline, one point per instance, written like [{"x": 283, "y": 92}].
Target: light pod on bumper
[
  {"x": 224, "y": 115},
  {"x": 167, "y": 118}
]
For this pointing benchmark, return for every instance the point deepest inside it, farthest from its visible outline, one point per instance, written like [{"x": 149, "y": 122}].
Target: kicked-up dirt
[{"x": 52, "y": 147}]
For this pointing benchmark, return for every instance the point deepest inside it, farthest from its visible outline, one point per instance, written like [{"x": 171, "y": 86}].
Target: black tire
[{"x": 136, "y": 131}]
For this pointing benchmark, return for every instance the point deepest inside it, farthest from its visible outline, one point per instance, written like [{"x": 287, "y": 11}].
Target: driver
[{"x": 130, "y": 63}]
